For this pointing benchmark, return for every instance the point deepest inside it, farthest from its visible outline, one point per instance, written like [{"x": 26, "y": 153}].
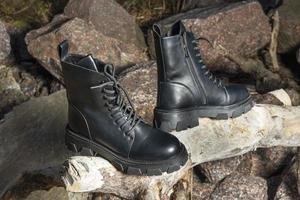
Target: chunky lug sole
[
  {"x": 179, "y": 120},
  {"x": 78, "y": 144}
]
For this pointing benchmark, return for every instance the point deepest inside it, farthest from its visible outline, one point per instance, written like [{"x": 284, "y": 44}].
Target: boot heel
[
  {"x": 166, "y": 126},
  {"x": 169, "y": 121}
]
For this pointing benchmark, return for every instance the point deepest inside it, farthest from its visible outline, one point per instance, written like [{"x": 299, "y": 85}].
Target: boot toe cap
[{"x": 158, "y": 146}]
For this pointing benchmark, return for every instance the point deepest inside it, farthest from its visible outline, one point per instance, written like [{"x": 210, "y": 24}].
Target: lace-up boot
[
  {"x": 187, "y": 90},
  {"x": 99, "y": 120}
]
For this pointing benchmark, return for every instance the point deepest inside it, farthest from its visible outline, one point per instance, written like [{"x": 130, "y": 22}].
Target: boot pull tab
[{"x": 63, "y": 49}]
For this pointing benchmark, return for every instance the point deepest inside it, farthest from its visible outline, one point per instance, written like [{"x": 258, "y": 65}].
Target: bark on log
[{"x": 264, "y": 126}]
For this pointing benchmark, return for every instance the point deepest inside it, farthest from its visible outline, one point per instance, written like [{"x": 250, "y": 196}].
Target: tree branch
[{"x": 263, "y": 126}]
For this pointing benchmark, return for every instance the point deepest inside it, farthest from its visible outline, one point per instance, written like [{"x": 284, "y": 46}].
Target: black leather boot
[
  {"x": 100, "y": 121},
  {"x": 187, "y": 90}
]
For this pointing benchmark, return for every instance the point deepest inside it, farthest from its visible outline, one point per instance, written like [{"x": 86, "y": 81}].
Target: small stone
[
  {"x": 10, "y": 91},
  {"x": 5, "y": 47},
  {"x": 57, "y": 193},
  {"x": 44, "y": 91},
  {"x": 28, "y": 84},
  {"x": 294, "y": 95},
  {"x": 241, "y": 187},
  {"x": 55, "y": 86},
  {"x": 266, "y": 99}
]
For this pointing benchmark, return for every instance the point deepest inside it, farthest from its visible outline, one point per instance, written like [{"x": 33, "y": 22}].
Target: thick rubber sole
[
  {"x": 169, "y": 120},
  {"x": 79, "y": 144}
]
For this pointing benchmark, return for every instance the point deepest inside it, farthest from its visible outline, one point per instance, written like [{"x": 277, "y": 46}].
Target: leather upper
[
  {"x": 90, "y": 117},
  {"x": 183, "y": 80}
]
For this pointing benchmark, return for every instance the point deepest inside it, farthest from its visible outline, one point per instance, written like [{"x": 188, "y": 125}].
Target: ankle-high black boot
[
  {"x": 100, "y": 121},
  {"x": 187, "y": 90}
]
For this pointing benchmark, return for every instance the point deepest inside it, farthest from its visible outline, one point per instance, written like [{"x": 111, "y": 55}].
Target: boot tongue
[
  {"x": 88, "y": 63},
  {"x": 176, "y": 29}
]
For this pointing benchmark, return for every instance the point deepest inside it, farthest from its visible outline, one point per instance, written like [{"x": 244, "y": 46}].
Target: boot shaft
[
  {"x": 178, "y": 81},
  {"x": 80, "y": 73},
  {"x": 187, "y": 90},
  {"x": 170, "y": 53}
]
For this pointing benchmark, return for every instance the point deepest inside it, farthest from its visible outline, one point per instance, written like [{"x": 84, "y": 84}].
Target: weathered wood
[
  {"x": 274, "y": 42},
  {"x": 263, "y": 126}
]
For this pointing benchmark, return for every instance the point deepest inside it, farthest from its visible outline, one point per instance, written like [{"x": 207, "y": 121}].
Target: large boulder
[
  {"x": 141, "y": 84},
  {"x": 32, "y": 138},
  {"x": 109, "y": 18},
  {"x": 5, "y": 47},
  {"x": 289, "y": 31},
  {"x": 242, "y": 28},
  {"x": 84, "y": 39}
]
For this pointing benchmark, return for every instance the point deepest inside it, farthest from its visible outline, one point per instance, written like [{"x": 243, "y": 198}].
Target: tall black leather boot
[
  {"x": 100, "y": 121},
  {"x": 187, "y": 90}
]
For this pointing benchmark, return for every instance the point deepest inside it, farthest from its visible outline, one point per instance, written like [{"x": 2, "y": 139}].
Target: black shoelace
[
  {"x": 207, "y": 72},
  {"x": 123, "y": 114}
]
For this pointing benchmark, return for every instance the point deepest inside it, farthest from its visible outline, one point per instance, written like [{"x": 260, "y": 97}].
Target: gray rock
[
  {"x": 266, "y": 162},
  {"x": 10, "y": 91},
  {"x": 102, "y": 196},
  {"x": 5, "y": 47},
  {"x": 215, "y": 171},
  {"x": 266, "y": 98},
  {"x": 55, "y": 193},
  {"x": 294, "y": 95},
  {"x": 109, "y": 18},
  {"x": 241, "y": 187},
  {"x": 287, "y": 191},
  {"x": 289, "y": 31},
  {"x": 241, "y": 28},
  {"x": 141, "y": 84},
  {"x": 32, "y": 138},
  {"x": 283, "y": 186},
  {"x": 202, "y": 191},
  {"x": 84, "y": 39}
]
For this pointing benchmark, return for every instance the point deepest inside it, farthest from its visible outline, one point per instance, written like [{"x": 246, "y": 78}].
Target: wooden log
[{"x": 263, "y": 126}]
